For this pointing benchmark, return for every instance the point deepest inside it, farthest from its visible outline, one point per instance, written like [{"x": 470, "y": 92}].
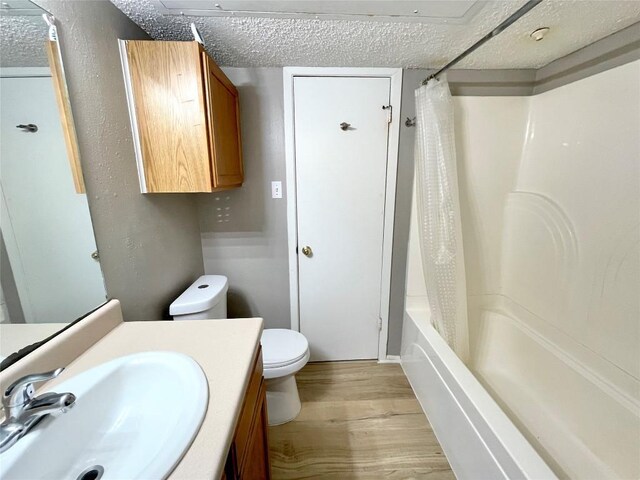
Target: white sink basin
[{"x": 134, "y": 418}]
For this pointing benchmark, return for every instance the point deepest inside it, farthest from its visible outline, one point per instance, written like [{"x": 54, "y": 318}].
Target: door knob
[
  {"x": 344, "y": 126},
  {"x": 306, "y": 251}
]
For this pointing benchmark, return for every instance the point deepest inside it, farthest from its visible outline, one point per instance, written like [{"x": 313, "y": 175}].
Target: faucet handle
[{"x": 22, "y": 391}]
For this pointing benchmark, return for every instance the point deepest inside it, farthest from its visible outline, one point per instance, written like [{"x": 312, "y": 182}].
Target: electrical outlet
[{"x": 276, "y": 189}]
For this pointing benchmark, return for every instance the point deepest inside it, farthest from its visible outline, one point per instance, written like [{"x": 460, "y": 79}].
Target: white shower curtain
[{"x": 439, "y": 214}]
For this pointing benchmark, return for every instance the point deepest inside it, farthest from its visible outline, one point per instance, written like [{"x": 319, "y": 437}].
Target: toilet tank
[{"x": 205, "y": 299}]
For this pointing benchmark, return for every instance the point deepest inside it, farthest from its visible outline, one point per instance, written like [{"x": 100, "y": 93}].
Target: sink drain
[{"x": 92, "y": 473}]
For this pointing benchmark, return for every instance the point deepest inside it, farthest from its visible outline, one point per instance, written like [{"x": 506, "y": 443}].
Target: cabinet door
[
  {"x": 223, "y": 113},
  {"x": 257, "y": 465},
  {"x": 168, "y": 95}
]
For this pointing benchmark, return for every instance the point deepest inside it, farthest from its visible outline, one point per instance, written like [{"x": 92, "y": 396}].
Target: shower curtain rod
[{"x": 496, "y": 31}]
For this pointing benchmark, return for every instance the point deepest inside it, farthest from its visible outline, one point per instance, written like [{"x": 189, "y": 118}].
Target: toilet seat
[{"x": 284, "y": 352}]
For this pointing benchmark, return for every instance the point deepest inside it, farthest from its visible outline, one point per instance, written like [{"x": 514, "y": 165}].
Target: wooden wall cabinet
[
  {"x": 185, "y": 118},
  {"x": 249, "y": 454}
]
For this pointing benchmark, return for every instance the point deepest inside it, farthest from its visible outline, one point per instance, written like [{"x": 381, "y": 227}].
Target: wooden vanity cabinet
[
  {"x": 249, "y": 453},
  {"x": 185, "y": 118}
]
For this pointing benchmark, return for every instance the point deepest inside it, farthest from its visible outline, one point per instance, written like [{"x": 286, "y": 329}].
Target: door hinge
[
  {"x": 379, "y": 323},
  {"x": 389, "y": 110}
]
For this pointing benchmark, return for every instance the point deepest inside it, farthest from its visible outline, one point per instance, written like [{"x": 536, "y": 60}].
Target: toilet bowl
[{"x": 284, "y": 352}]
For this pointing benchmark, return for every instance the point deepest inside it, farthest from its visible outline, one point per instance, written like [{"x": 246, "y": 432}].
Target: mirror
[{"x": 49, "y": 267}]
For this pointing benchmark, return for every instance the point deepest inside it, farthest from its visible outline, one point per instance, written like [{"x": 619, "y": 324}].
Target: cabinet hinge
[{"x": 389, "y": 110}]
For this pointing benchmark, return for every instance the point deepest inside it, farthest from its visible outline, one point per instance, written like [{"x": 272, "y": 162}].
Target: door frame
[{"x": 395, "y": 75}]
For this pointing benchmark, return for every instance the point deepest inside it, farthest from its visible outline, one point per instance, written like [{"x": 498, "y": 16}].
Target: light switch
[{"x": 276, "y": 189}]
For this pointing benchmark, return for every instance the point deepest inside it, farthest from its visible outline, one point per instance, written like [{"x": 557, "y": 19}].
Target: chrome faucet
[{"x": 23, "y": 410}]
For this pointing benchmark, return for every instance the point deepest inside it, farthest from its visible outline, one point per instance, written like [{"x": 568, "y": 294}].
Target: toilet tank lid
[{"x": 203, "y": 294}]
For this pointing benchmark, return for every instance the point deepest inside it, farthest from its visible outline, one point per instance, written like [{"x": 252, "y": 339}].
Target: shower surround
[{"x": 550, "y": 198}]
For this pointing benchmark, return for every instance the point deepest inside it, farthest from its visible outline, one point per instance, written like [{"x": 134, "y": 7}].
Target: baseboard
[{"x": 390, "y": 359}]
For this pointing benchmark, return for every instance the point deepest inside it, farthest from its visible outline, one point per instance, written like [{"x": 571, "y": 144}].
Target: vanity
[{"x": 231, "y": 442}]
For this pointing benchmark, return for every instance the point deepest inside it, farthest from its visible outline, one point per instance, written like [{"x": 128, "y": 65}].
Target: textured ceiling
[
  {"x": 22, "y": 41},
  {"x": 258, "y": 42}
]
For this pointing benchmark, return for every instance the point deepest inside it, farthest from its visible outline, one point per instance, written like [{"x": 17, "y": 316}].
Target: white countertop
[{"x": 225, "y": 350}]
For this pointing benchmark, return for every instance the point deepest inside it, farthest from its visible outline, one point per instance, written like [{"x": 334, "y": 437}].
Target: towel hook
[{"x": 30, "y": 127}]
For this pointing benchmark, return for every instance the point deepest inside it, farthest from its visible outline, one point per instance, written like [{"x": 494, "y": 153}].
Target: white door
[
  {"x": 340, "y": 184},
  {"x": 46, "y": 224}
]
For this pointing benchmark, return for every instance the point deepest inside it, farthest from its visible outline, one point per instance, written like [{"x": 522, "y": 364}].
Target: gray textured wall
[
  {"x": 404, "y": 187},
  {"x": 244, "y": 231},
  {"x": 149, "y": 245}
]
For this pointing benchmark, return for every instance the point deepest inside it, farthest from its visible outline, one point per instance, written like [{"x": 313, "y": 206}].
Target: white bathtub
[
  {"x": 556, "y": 402},
  {"x": 579, "y": 411},
  {"x": 479, "y": 440}
]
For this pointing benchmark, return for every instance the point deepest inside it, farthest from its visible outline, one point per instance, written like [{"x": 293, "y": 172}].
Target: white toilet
[{"x": 284, "y": 352}]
